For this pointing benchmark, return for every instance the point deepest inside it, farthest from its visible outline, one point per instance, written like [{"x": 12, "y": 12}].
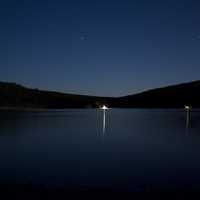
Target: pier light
[
  {"x": 104, "y": 107},
  {"x": 188, "y": 107}
]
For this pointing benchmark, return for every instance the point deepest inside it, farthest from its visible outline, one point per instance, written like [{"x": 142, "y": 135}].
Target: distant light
[
  {"x": 188, "y": 107},
  {"x": 104, "y": 107}
]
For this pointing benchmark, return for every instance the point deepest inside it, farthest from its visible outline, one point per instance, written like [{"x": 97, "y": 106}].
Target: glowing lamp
[
  {"x": 188, "y": 107},
  {"x": 104, "y": 107}
]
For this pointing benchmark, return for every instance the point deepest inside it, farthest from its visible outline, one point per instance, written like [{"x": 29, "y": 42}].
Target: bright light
[
  {"x": 104, "y": 107},
  {"x": 188, "y": 107}
]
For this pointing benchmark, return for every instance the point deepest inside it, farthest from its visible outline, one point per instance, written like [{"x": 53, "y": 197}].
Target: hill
[
  {"x": 13, "y": 95},
  {"x": 168, "y": 97},
  {"x": 17, "y": 96}
]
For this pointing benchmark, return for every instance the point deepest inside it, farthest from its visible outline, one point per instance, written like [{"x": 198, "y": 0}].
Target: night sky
[{"x": 99, "y": 47}]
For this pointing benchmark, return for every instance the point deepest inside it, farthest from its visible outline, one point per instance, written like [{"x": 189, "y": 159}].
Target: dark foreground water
[{"x": 126, "y": 149}]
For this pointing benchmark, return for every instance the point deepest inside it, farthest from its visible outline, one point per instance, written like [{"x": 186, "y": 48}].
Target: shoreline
[{"x": 29, "y": 109}]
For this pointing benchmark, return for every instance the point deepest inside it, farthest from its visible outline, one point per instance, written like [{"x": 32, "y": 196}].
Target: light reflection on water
[
  {"x": 104, "y": 122},
  {"x": 140, "y": 147}
]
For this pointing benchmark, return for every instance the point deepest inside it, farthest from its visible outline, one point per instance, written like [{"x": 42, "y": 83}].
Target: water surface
[{"x": 129, "y": 149}]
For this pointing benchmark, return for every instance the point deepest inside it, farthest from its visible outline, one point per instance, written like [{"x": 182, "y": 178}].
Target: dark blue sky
[{"x": 104, "y": 47}]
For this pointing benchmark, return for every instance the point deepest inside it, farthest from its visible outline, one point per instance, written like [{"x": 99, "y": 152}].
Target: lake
[{"x": 121, "y": 149}]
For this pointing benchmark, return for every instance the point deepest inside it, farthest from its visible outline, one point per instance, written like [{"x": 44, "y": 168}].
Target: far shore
[
  {"x": 32, "y": 109},
  {"x": 28, "y": 109}
]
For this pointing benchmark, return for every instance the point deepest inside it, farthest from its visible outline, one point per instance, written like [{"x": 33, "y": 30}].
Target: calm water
[{"x": 131, "y": 149}]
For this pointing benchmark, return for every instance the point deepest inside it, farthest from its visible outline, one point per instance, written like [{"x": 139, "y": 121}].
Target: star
[{"x": 83, "y": 38}]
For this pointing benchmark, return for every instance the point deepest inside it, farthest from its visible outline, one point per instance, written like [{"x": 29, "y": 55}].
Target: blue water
[{"x": 129, "y": 149}]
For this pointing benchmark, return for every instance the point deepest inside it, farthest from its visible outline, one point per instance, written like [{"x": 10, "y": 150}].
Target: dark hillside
[
  {"x": 171, "y": 96},
  {"x": 17, "y": 96},
  {"x": 14, "y": 95}
]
